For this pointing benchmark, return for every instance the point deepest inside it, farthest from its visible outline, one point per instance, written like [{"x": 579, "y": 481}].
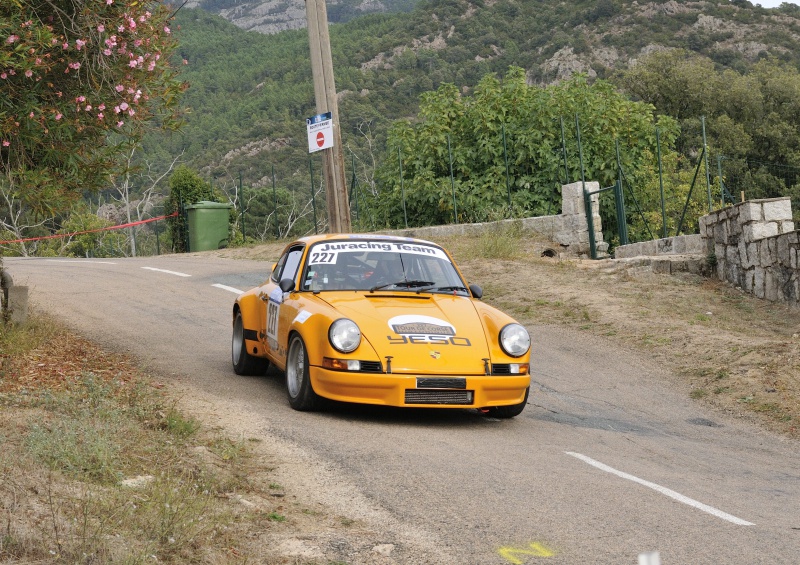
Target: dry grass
[{"x": 77, "y": 426}]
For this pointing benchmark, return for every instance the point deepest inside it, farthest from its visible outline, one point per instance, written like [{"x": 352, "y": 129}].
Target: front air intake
[{"x": 430, "y": 396}]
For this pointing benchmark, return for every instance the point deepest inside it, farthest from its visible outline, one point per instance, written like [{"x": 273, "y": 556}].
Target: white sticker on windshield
[
  {"x": 326, "y": 252},
  {"x": 322, "y": 257}
]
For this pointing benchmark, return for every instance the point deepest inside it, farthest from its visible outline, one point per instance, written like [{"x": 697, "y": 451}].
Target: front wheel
[
  {"x": 506, "y": 412},
  {"x": 243, "y": 362},
  {"x": 298, "y": 382}
]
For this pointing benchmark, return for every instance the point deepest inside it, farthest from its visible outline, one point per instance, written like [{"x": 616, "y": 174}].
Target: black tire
[
  {"x": 244, "y": 363},
  {"x": 298, "y": 382},
  {"x": 505, "y": 412}
]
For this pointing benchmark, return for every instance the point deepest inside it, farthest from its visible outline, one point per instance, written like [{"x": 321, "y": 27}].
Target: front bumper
[{"x": 422, "y": 391}]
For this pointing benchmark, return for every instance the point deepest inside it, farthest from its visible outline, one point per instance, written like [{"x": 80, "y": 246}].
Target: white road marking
[
  {"x": 168, "y": 272},
  {"x": 663, "y": 490},
  {"x": 228, "y": 288}
]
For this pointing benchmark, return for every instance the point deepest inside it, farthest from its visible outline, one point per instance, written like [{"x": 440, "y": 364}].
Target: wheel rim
[
  {"x": 237, "y": 342},
  {"x": 295, "y": 367}
]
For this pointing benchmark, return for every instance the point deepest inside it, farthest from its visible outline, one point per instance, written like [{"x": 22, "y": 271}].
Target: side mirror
[
  {"x": 476, "y": 291},
  {"x": 287, "y": 285}
]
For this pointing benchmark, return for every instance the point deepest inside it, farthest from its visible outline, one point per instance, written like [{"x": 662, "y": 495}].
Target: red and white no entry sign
[{"x": 320, "y": 132}]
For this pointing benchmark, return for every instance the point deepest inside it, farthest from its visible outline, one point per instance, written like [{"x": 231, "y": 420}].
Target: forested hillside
[
  {"x": 726, "y": 70},
  {"x": 250, "y": 93},
  {"x": 272, "y": 16}
]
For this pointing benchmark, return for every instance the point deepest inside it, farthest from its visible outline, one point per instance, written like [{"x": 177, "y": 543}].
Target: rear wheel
[
  {"x": 505, "y": 412},
  {"x": 243, "y": 362},
  {"x": 298, "y": 382}
]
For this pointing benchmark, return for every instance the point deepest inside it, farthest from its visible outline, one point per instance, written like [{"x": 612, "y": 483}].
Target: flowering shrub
[{"x": 78, "y": 78}]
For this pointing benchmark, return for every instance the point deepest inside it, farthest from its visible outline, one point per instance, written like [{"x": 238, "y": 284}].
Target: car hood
[{"x": 423, "y": 333}]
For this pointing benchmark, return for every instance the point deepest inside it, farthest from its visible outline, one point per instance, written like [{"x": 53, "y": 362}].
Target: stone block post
[{"x": 573, "y": 230}]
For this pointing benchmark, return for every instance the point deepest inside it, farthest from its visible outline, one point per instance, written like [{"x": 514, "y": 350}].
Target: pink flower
[
  {"x": 100, "y": 116},
  {"x": 166, "y": 30},
  {"x": 29, "y": 73},
  {"x": 65, "y": 45},
  {"x": 80, "y": 99},
  {"x": 116, "y": 109},
  {"x": 101, "y": 107},
  {"x": 12, "y": 38},
  {"x": 3, "y": 76},
  {"x": 109, "y": 2},
  {"x": 30, "y": 115},
  {"x": 79, "y": 43},
  {"x": 101, "y": 28},
  {"x": 88, "y": 108},
  {"x": 58, "y": 116},
  {"x": 131, "y": 112},
  {"x": 133, "y": 63},
  {"x": 120, "y": 123},
  {"x": 123, "y": 106},
  {"x": 6, "y": 143},
  {"x": 107, "y": 52},
  {"x": 119, "y": 88}
]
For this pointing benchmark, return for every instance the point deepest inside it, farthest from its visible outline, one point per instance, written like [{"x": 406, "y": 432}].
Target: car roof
[{"x": 310, "y": 239}]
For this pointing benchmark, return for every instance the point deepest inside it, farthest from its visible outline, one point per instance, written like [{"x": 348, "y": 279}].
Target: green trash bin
[{"x": 208, "y": 225}]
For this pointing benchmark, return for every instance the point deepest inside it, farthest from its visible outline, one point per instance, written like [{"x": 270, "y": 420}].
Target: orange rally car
[{"x": 380, "y": 320}]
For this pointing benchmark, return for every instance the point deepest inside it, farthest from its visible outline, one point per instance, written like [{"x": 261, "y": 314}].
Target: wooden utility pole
[{"x": 325, "y": 96}]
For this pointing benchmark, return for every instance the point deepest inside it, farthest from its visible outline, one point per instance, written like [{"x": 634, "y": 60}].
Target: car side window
[
  {"x": 292, "y": 264},
  {"x": 287, "y": 265},
  {"x": 276, "y": 271}
]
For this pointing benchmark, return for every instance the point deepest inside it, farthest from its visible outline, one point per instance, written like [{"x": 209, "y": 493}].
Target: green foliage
[
  {"x": 185, "y": 187},
  {"x": 90, "y": 241},
  {"x": 524, "y": 120},
  {"x": 751, "y": 120}
]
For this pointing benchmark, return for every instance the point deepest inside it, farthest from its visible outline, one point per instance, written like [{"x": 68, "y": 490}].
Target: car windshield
[{"x": 380, "y": 264}]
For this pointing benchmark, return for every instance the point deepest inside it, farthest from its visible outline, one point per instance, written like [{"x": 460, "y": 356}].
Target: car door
[{"x": 275, "y": 319}]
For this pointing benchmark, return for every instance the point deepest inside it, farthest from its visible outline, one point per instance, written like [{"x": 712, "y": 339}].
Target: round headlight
[
  {"x": 514, "y": 340},
  {"x": 344, "y": 335}
]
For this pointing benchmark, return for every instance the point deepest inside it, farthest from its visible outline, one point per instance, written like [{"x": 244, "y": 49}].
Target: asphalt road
[{"x": 604, "y": 464}]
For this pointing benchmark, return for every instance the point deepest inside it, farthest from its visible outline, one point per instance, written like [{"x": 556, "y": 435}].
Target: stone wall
[
  {"x": 678, "y": 245},
  {"x": 756, "y": 247},
  {"x": 569, "y": 229}
]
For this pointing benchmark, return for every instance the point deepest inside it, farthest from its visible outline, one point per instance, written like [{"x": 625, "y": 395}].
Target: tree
[
  {"x": 149, "y": 180},
  {"x": 71, "y": 73},
  {"x": 185, "y": 187},
  {"x": 509, "y": 114}
]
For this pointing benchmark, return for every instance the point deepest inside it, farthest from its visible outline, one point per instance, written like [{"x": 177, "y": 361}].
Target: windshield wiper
[
  {"x": 435, "y": 288},
  {"x": 407, "y": 284}
]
